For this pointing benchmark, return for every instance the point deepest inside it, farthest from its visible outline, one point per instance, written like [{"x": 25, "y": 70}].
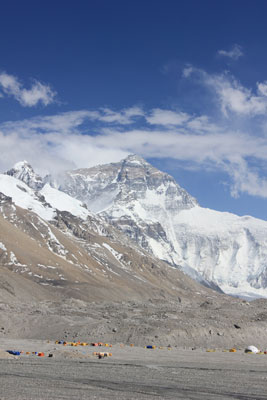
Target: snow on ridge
[
  {"x": 104, "y": 201},
  {"x": 64, "y": 202},
  {"x": 136, "y": 162},
  {"x": 115, "y": 253},
  {"x": 21, "y": 164},
  {"x": 13, "y": 258},
  {"x": 205, "y": 219},
  {"x": 23, "y": 196},
  {"x": 3, "y": 247},
  {"x": 134, "y": 159}
]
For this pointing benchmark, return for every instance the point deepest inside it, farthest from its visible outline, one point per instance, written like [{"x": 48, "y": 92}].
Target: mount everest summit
[{"x": 150, "y": 208}]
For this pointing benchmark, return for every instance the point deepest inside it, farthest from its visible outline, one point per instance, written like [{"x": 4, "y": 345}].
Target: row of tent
[
  {"x": 82, "y": 343},
  {"x": 249, "y": 350},
  {"x": 36, "y": 353}
]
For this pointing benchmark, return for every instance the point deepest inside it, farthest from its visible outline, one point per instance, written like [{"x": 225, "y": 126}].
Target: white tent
[{"x": 251, "y": 349}]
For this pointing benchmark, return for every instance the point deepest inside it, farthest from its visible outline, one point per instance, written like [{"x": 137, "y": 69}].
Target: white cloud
[
  {"x": 86, "y": 138},
  {"x": 262, "y": 88},
  {"x": 246, "y": 180},
  {"x": 187, "y": 71},
  {"x": 235, "y": 52},
  {"x": 231, "y": 95},
  {"x": 38, "y": 93},
  {"x": 236, "y": 98},
  {"x": 124, "y": 117},
  {"x": 64, "y": 141},
  {"x": 185, "y": 122},
  {"x": 202, "y": 125},
  {"x": 158, "y": 116}
]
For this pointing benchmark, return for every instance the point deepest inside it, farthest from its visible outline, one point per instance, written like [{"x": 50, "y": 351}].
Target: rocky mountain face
[
  {"x": 133, "y": 196},
  {"x": 52, "y": 248},
  {"x": 24, "y": 172},
  {"x": 161, "y": 217}
]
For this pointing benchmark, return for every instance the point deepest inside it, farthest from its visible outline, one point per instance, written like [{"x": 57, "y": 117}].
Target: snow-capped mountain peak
[
  {"x": 150, "y": 207},
  {"x": 132, "y": 179},
  {"x": 21, "y": 165},
  {"x": 134, "y": 159},
  {"x": 23, "y": 171}
]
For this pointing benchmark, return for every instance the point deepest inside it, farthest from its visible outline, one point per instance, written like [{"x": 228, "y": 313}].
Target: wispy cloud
[
  {"x": 38, "y": 93},
  {"x": 231, "y": 95},
  {"x": 159, "y": 116},
  {"x": 236, "y": 98},
  {"x": 234, "y": 53},
  {"x": 123, "y": 117},
  {"x": 233, "y": 139},
  {"x": 68, "y": 140}
]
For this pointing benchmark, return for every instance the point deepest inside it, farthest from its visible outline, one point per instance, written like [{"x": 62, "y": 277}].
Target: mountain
[
  {"x": 66, "y": 272},
  {"x": 24, "y": 172},
  {"x": 153, "y": 210},
  {"x": 135, "y": 197},
  {"x": 52, "y": 247}
]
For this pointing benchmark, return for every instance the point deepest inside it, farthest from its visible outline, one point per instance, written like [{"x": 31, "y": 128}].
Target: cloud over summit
[
  {"x": 232, "y": 139},
  {"x": 72, "y": 140}
]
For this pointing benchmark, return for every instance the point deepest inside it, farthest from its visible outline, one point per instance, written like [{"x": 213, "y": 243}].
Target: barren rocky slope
[{"x": 69, "y": 258}]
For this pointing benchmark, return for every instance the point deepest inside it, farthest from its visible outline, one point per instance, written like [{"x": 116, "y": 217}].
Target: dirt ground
[
  {"x": 178, "y": 368},
  {"x": 212, "y": 323},
  {"x": 130, "y": 373}
]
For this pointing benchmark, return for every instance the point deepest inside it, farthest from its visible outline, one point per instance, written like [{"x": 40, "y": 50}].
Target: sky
[{"x": 181, "y": 83}]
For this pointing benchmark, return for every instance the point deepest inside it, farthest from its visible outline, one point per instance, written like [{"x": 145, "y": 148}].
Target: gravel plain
[
  {"x": 130, "y": 373},
  {"x": 178, "y": 368}
]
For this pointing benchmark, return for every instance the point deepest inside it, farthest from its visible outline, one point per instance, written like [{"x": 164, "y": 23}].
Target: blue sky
[{"x": 181, "y": 83}]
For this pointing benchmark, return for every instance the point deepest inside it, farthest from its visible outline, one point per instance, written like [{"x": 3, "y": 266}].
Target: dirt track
[{"x": 131, "y": 373}]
